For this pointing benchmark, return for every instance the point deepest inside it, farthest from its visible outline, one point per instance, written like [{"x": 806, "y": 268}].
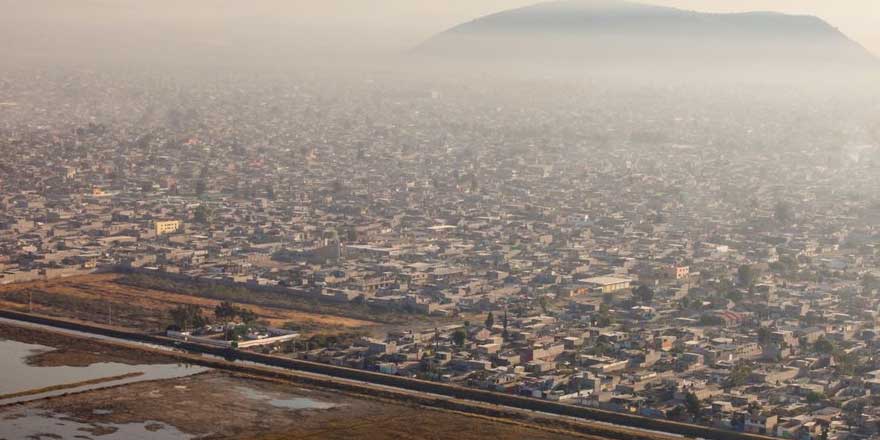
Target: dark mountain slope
[{"x": 611, "y": 32}]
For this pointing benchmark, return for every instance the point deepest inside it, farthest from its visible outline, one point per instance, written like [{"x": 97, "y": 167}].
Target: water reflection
[
  {"x": 37, "y": 424},
  {"x": 20, "y": 377},
  {"x": 291, "y": 403}
]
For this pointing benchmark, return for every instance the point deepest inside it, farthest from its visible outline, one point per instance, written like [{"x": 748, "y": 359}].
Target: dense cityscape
[{"x": 702, "y": 256}]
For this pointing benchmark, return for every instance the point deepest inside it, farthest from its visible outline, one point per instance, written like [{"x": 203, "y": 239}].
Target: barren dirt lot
[{"x": 99, "y": 298}]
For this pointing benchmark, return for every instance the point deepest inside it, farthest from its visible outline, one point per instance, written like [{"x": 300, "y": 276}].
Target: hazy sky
[
  {"x": 328, "y": 26},
  {"x": 412, "y": 19}
]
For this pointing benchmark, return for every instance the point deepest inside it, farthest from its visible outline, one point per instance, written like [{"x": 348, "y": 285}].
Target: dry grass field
[{"x": 101, "y": 298}]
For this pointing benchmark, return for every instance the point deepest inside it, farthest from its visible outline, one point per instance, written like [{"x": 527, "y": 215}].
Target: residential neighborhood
[{"x": 637, "y": 265}]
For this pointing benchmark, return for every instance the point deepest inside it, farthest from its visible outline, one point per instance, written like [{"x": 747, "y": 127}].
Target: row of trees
[
  {"x": 189, "y": 316},
  {"x": 226, "y": 311}
]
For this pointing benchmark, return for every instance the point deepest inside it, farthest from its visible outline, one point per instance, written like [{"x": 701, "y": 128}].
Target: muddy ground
[
  {"x": 77, "y": 352},
  {"x": 217, "y": 405}
]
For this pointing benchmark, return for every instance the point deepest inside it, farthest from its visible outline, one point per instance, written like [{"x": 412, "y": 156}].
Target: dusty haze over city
[
  {"x": 345, "y": 26},
  {"x": 469, "y": 219}
]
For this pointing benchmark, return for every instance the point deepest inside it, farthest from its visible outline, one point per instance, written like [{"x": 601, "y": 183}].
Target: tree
[
  {"x": 187, "y": 317},
  {"x": 544, "y": 304},
  {"x": 870, "y": 282},
  {"x": 739, "y": 376},
  {"x": 225, "y": 311},
  {"x": 202, "y": 215},
  {"x": 853, "y": 412},
  {"x": 645, "y": 294},
  {"x": 725, "y": 285},
  {"x": 813, "y": 397},
  {"x": 847, "y": 363},
  {"x": 764, "y": 334},
  {"x": 824, "y": 434},
  {"x": 685, "y": 303},
  {"x": 746, "y": 275},
  {"x": 600, "y": 349},
  {"x": 201, "y": 187},
  {"x": 604, "y": 318},
  {"x": 710, "y": 320},
  {"x": 677, "y": 413},
  {"x": 783, "y": 212},
  {"x": 692, "y": 403},
  {"x": 247, "y": 316},
  {"x": 458, "y": 337},
  {"x": 754, "y": 408},
  {"x": 824, "y": 346},
  {"x": 490, "y": 320},
  {"x": 734, "y": 295}
]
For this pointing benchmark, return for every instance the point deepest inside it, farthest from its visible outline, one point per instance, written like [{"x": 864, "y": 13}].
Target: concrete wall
[
  {"x": 216, "y": 282},
  {"x": 44, "y": 275}
]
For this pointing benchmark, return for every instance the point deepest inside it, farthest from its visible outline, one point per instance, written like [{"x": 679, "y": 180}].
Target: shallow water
[
  {"x": 290, "y": 403},
  {"x": 18, "y": 376},
  {"x": 37, "y": 424}
]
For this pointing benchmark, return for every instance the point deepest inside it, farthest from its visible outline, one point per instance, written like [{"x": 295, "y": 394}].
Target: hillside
[{"x": 617, "y": 33}]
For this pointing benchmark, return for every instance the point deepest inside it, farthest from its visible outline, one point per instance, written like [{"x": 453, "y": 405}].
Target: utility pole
[{"x": 30, "y": 302}]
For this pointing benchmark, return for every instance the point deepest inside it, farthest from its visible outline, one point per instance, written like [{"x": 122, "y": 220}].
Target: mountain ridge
[{"x": 613, "y": 31}]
